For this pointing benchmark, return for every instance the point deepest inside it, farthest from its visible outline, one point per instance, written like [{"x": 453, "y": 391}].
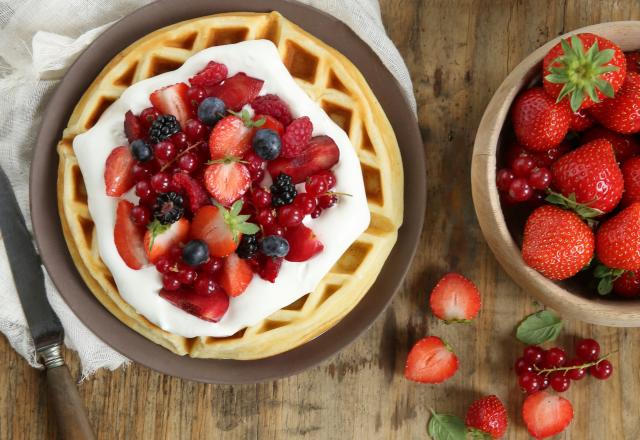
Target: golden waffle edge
[{"x": 328, "y": 78}]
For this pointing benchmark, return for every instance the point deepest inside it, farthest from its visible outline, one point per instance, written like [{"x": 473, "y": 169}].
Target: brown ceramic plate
[{"x": 56, "y": 258}]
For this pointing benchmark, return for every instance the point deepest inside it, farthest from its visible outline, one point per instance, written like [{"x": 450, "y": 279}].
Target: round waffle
[{"x": 329, "y": 79}]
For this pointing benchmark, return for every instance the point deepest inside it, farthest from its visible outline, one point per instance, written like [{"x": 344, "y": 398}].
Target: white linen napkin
[{"x": 39, "y": 39}]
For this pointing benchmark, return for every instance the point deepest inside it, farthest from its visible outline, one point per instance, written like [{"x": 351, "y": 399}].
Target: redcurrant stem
[
  {"x": 547, "y": 371},
  {"x": 334, "y": 193},
  {"x": 182, "y": 153}
]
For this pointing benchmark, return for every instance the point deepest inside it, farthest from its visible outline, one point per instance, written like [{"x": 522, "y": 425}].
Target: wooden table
[{"x": 458, "y": 52}]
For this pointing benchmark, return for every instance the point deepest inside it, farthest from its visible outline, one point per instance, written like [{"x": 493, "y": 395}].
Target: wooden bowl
[{"x": 577, "y": 297}]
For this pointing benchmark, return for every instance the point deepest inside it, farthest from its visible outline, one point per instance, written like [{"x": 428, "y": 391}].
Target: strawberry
[
  {"x": 618, "y": 240},
  {"x": 273, "y": 106},
  {"x": 196, "y": 194},
  {"x": 546, "y": 415},
  {"x": 128, "y": 237},
  {"x": 320, "y": 154},
  {"x": 628, "y": 284},
  {"x": 271, "y": 123},
  {"x": 303, "y": 243},
  {"x": 220, "y": 228},
  {"x": 212, "y": 74},
  {"x": 431, "y": 360},
  {"x": 557, "y": 243},
  {"x": 173, "y": 100},
  {"x": 270, "y": 269},
  {"x": 488, "y": 415},
  {"x": 592, "y": 174},
  {"x": 633, "y": 61},
  {"x": 296, "y": 137},
  {"x": 237, "y": 90},
  {"x": 539, "y": 123},
  {"x": 230, "y": 137},
  {"x": 236, "y": 275},
  {"x": 160, "y": 238},
  {"x": 227, "y": 180},
  {"x": 622, "y": 113},
  {"x": 208, "y": 307},
  {"x": 118, "y": 171},
  {"x": 631, "y": 174},
  {"x": 455, "y": 299},
  {"x": 583, "y": 70},
  {"x": 132, "y": 127},
  {"x": 624, "y": 146},
  {"x": 580, "y": 121}
]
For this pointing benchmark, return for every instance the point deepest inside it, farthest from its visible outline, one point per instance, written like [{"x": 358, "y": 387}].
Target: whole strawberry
[
  {"x": 488, "y": 415},
  {"x": 592, "y": 174},
  {"x": 624, "y": 146},
  {"x": 633, "y": 61},
  {"x": 557, "y": 243},
  {"x": 628, "y": 284},
  {"x": 540, "y": 124},
  {"x": 583, "y": 70},
  {"x": 618, "y": 240},
  {"x": 622, "y": 113},
  {"x": 631, "y": 173}
]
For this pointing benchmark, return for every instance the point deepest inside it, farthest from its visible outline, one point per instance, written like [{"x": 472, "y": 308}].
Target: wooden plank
[{"x": 458, "y": 53}]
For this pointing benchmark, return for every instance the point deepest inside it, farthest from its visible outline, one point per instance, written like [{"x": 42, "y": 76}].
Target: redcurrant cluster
[
  {"x": 176, "y": 273},
  {"x": 538, "y": 368}
]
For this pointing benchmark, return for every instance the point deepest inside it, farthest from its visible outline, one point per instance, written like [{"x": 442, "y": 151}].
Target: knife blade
[{"x": 44, "y": 324}]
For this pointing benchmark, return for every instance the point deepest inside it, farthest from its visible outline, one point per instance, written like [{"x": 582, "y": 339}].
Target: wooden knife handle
[{"x": 63, "y": 396}]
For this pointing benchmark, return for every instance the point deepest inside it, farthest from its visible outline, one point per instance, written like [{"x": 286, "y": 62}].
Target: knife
[{"x": 45, "y": 327}]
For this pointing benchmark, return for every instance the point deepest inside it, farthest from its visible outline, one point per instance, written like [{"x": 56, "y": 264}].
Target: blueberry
[
  {"x": 195, "y": 252},
  {"x": 211, "y": 110},
  {"x": 274, "y": 246},
  {"x": 141, "y": 151},
  {"x": 267, "y": 144}
]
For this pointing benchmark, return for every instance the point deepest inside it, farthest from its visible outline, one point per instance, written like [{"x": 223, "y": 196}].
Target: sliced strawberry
[
  {"x": 208, "y": 307},
  {"x": 236, "y": 275},
  {"x": 270, "y": 123},
  {"x": 270, "y": 269},
  {"x": 196, "y": 194},
  {"x": 227, "y": 181},
  {"x": 160, "y": 238},
  {"x": 220, "y": 228},
  {"x": 546, "y": 415},
  {"x": 455, "y": 299},
  {"x": 118, "y": 171},
  {"x": 230, "y": 137},
  {"x": 431, "y": 361},
  {"x": 132, "y": 127},
  {"x": 210, "y": 76},
  {"x": 237, "y": 90},
  {"x": 321, "y": 154},
  {"x": 173, "y": 100},
  {"x": 128, "y": 237},
  {"x": 303, "y": 243}
]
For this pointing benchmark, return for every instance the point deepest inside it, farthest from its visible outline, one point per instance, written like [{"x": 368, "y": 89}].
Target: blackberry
[
  {"x": 283, "y": 191},
  {"x": 168, "y": 208},
  {"x": 248, "y": 246},
  {"x": 163, "y": 128}
]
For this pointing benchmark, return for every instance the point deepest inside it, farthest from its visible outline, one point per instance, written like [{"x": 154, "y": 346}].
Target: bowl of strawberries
[{"x": 556, "y": 174}]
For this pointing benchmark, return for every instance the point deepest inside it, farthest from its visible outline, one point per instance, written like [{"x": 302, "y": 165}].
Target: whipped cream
[{"x": 337, "y": 227}]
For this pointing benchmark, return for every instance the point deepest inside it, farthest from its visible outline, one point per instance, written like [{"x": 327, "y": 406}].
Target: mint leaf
[
  {"x": 539, "y": 327},
  {"x": 446, "y": 427}
]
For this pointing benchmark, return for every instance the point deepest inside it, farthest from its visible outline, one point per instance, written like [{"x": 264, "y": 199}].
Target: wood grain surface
[{"x": 458, "y": 52}]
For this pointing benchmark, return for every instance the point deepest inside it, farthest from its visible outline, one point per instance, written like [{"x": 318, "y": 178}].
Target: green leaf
[
  {"x": 156, "y": 228},
  {"x": 236, "y": 207},
  {"x": 477, "y": 434},
  {"x": 259, "y": 123},
  {"x": 603, "y": 56},
  {"x": 539, "y": 327},
  {"x": 248, "y": 228},
  {"x": 576, "y": 100},
  {"x": 446, "y": 427},
  {"x": 605, "y": 286}
]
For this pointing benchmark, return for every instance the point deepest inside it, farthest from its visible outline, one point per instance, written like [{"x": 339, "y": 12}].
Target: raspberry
[
  {"x": 296, "y": 137},
  {"x": 272, "y": 105},
  {"x": 211, "y": 75}
]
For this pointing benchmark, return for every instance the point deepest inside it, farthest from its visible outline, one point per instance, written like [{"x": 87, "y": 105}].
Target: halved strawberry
[
  {"x": 230, "y": 137},
  {"x": 128, "y": 237},
  {"x": 220, "y": 228},
  {"x": 208, "y": 307},
  {"x": 271, "y": 123},
  {"x": 237, "y": 90},
  {"x": 211, "y": 75},
  {"x": 431, "y": 361},
  {"x": 236, "y": 275},
  {"x": 455, "y": 299},
  {"x": 196, "y": 194},
  {"x": 546, "y": 415},
  {"x": 227, "y": 180},
  {"x": 321, "y": 154},
  {"x": 172, "y": 100},
  {"x": 132, "y": 127},
  {"x": 118, "y": 171},
  {"x": 160, "y": 238},
  {"x": 303, "y": 243}
]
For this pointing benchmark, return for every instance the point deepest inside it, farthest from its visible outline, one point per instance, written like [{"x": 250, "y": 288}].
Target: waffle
[{"x": 328, "y": 78}]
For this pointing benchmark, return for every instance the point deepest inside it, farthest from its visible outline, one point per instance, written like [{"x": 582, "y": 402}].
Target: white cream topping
[{"x": 337, "y": 227}]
